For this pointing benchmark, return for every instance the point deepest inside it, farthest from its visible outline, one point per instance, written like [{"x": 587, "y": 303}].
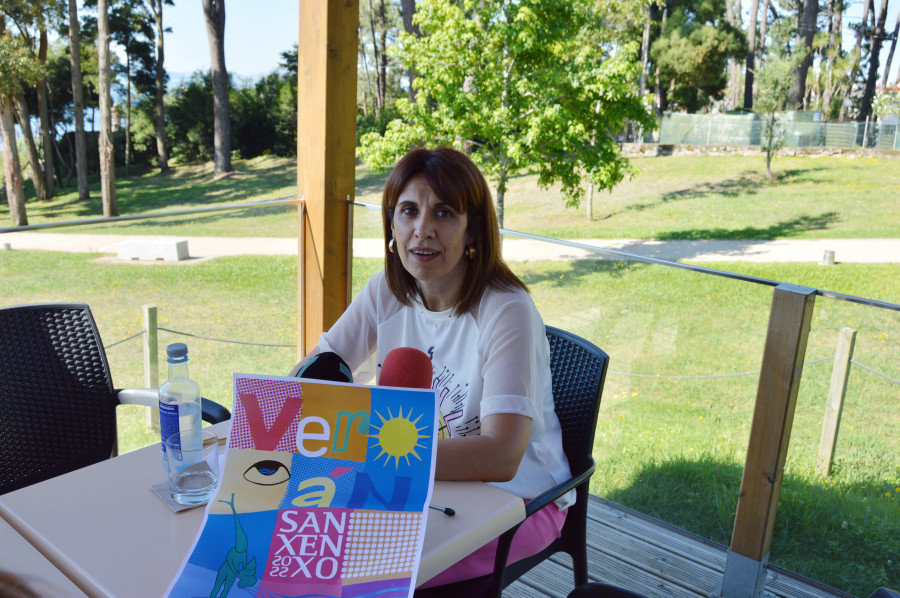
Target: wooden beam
[
  {"x": 326, "y": 147},
  {"x": 773, "y": 416}
]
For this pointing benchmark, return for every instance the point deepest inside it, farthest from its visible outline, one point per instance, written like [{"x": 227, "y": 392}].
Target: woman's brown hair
[{"x": 457, "y": 182}]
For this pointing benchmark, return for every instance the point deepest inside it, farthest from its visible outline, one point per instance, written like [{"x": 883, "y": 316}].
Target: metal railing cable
[
  {"x": 222, "y": 340},
  {"x": 624, "y": 255},
  {"x": 710, "y": 376},
  {"x": 119, "y": 342},
  {"x": 614, "y": 372}
]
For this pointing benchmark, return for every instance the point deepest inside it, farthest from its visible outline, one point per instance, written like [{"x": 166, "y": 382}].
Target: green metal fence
[{"x": 799, "y": 130}]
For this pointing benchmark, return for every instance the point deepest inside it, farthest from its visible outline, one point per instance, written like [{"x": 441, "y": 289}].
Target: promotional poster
[{"x": 324, "y": 493}]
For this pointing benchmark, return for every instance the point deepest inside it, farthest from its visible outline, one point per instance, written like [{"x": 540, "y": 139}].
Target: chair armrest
[
  {"x": 138, "y": 396},
  {"x": 542, "y": 500},
  {"x": 211, "y": 412}
]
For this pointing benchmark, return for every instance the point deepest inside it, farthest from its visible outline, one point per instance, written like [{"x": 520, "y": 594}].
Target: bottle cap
[{"x": 177, "y": 353}]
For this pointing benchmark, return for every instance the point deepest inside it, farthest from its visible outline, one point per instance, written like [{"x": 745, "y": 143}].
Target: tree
[
  {"x": 135, "y": 34},
  {"x": 806, "y": 31},
  {"x": 775, "y": 81},
  {"x": 521, "y": 86},
  {"x": 890, "y": 58},
  {"x": 23, "y": 17},
  {"x": 155, "y": 8},
  {"x": 84, "y": 192},
  {"x": 17, "y": 71},
  {"x": 407, "y": 10},
  {"x": 857, "y": 54},
  {"x": 874, "y": 53},
  {"x": 107, "y": 153},
  {"x": 214, "y": 10},
  {"x": 47, "y": 138},
  {"x": 692, "y": 51},
  {"x": 751, "y": 55}
]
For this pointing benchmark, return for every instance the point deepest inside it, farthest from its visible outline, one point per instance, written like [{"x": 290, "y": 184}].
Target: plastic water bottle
[{"x": 179, "y": 399}]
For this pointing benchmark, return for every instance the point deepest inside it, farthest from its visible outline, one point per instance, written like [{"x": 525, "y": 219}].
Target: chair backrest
[
  {"x": 578, "y": 369},
  {"x": 57, "y": 403}
]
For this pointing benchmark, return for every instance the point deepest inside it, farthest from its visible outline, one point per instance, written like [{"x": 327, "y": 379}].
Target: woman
[{"x": 446, "y": 291}]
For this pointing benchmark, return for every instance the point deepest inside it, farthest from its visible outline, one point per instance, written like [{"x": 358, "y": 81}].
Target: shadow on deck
[{"x": 647, "y": 556}]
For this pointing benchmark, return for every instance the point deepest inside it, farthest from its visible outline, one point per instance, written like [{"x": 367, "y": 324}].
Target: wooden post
[
  {"x": 326, "y": 153},
  {"x": 839, "y": 375},
  {"x": 773, "y": 416},
  {"x": 151, "y": 360}
]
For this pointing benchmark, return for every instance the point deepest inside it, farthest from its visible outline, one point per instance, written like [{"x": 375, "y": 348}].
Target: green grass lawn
[
  {"x": 673, "y": 197},
  {"x": 685, "y": 347}
]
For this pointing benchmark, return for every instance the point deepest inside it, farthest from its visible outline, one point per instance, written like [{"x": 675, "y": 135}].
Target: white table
[
  {"x": 19, "y": 557},
  {"x": 105, "y": 530}
]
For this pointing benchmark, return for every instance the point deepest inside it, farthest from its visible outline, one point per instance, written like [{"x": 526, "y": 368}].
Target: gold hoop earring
[
  {"x": 470, "y": 251},
  {"x": 392, "y": 245}
]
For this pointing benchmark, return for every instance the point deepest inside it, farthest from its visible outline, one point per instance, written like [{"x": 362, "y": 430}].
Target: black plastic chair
[
  {"x": 57, "y": 400},
  {"x": 578, "y": 369}
]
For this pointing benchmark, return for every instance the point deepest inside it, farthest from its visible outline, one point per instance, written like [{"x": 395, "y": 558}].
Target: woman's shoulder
[{"x": 505, "y": 303}]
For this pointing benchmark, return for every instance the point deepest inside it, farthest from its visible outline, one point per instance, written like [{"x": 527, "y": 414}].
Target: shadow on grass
[
  {"x": 779, "y": 230},
  {"x": 370, "y": 182},
  {"x": 746, "y": 184},
  {"x": 846, "y": 537},
  {"x": 184, "y": 185},
  {"x": 571, "y": 273}
]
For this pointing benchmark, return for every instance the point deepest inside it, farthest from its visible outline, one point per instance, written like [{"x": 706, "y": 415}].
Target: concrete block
[{"x": 170, "y": 250}]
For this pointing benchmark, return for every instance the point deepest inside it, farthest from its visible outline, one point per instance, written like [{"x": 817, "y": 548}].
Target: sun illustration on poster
[{"x": 398, "y": 437}]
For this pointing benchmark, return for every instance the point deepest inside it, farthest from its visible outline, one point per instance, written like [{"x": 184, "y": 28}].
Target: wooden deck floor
[{"x": 646, "y": 556}]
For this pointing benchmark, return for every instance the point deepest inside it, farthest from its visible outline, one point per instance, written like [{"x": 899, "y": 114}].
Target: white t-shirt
[{"x": 494, "y": 359}]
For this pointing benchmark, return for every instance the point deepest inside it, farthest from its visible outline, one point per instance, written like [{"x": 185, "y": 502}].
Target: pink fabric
[{"x": 535, "y": 534}]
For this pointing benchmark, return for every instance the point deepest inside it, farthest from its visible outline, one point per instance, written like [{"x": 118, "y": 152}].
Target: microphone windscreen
[
  {"x": 326, "y": 366},
  {"x": 406, "y": 367}
]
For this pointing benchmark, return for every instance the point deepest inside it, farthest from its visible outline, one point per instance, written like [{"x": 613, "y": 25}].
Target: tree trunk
[
  {"x": 128, "y": 114},
  {"x": 590, "y": 201},
  {"x": 379, "y": 81},
  {"x": 835, "y": 10},
  {"x": 15, "y": 194},
  {"x": 382, "y": 66},
  {"x": 763, "y": 29},
  {"x": 408, "y": 8},
  {"x": 84, "y": 192},
  {"x": 214, "y": 10},
  {"x": 751, "y": 55},
  {"x": 733, "y": 66},
  {"x": 107, "y": 155},
  {"x": 645, "y": 52},
  {"x": 502, "y": 179},
  {"x": 890, "y": 58},
  {"x": 161, "y": 152},
  {"x": 44, "y": 114},
  {"x": 367, "y": 88},
  {"x": 34, "y": 160},
  {"x": 805, "y": 33},
  {"x": 865, "y": 108},
  {"x": 662, "y": 101},
  {"x": 857, "y": 53}
]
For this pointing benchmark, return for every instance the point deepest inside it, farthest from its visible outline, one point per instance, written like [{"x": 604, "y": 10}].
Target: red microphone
[{"x": 406, "y": 367}]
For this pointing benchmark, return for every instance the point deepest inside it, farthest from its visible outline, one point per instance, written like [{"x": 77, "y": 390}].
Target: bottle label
[{"x": 168, "y": 422}]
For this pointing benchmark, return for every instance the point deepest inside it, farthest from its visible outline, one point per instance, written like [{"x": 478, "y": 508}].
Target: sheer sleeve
[{"x": 515, "y": 357}]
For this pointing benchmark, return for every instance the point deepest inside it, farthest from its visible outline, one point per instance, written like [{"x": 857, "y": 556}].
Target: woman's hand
[{"x": 492, "y": 456}]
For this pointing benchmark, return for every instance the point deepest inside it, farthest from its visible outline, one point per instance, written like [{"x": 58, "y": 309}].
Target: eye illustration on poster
[{"x": 324, "y": 492}]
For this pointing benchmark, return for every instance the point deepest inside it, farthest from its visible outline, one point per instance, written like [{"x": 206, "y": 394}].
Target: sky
[{"x": 258, "y": 31}]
